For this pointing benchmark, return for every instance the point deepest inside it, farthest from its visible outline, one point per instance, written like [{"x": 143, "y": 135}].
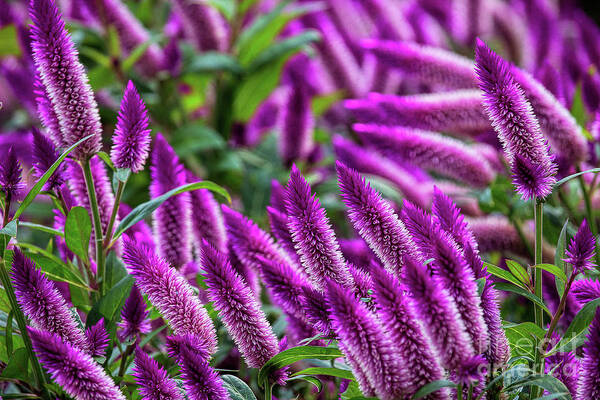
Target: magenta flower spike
[
  {"x": 496, "y": 233},
  {"x": 171, "y": 294},
  {"x": 517, "y": 127},
  {"x": 297, "y": 125},
  {"x": 44, "y": 155},
  {"x": 97, "y": 338},
  {"x": 429, "y": 150},
  {"x": 589, "y": 377},
  {"x": 375, "y": 220},
  {"x": 202, "y": 24},
  {"x": 586, "y": 290},
  {"x": 427, "y": 64},
  {"x": 200, "y": 380},
  {"x": 64, "y": 79},
  {"x": 10, "y": 176},
  {"x": 277, "y": 198},
  {"x": 238, "y": 308},
  {"x": 279, "y": 228},
  {"x": 458, "y": 112},
  {"x": 439, "y": 314},
  {"x": 313, "y": 236},
  {"x": 153, "y": 380},
  {"x": 46, "y": 113},
  {"x": 316, "y": 311},
  {"x": 581, "y": 249},
  {"x": 366, "y": 341},
  {"x": 207, "y": 219},
  {"x": 367, "y": 161},
  {"x": 42, "y": 303},
  {"x": 399, "y": 319},
  {"x": 71, "y": 368},
  {"x": 171, "y": 221},
  {"x": 564, "y": 366},
  {"x": 134, "y": 317},
  {"x": 131, "y": 139}
]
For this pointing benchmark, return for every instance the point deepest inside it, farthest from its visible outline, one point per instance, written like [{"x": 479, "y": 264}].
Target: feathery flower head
[
  {"x": 200, "y": 380},
  {"x": 581, "y": 249},
  {"x": 207, "y": 220},
  {"x": 316, "y": 310},
  {"x": 46, "y": 113},
  {"x": 42, "y": 303},
  {"x": 517, "y": 127},
  {"x": 10, "y": 175},
  {"x": 44, "y": 155},
  {"x": 472, "y": 370},
  {"x": 586, "y": 290},
  {"x": 589, "y": 378},
  {"x": 172, "y": 218},
  {"x": 417, "y": 222},
  {"x": 134, "y": 316},
  {"x": 312, "y": 234},
  {"x": 71, "y": 368},
  {"x": 131, "y": 139},
  {"x": 375, "y": 220},
  {"x": 279, "y": 228},
  {"x": 277, "y": 198},
  {"x": 202, "y": 24},
  {"x": 564, "y": 366},
  {"x": 98, "y": 339},
  {"x": 64, "y": 79},
  {"x": 296, "y": 141},
  {"x": 153, "y": 380},
  {"x": 170, "y": 293}
]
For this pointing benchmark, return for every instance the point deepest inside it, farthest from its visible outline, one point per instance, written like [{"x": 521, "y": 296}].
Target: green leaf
[
  {"x": 106, "y": 158},
  {"x": 10, "y": 229},
  {"x": 316, "y": 382},
  {"x": 225, "y": 7},
  {"x": 340, "y": 373},
  {"x": 575, "y": 334},
  {"x": 9, "y": 334},
  {"x": 293, "y": 355},
  {"x": 322, "y": 103},
  {"x": 518, "y": 271},
  {"x": 547, "y": 382},
  {"x": 503, "y": 274},
  {"x": 260, "y": 24},
  {"x": 42, "y": 228},
  {"x": 17, "y": 366},
  {"x": 554, "y": 270},
  {"x": 283, "y": 49},
  {"x": 196, "y": 137},
  {"x": 37, "y": 188},
  {"x": 122, "y": 174},
  {"x": 432, "y": 387},
  {"x": 237, "y": 388},
  {"x": 145, "y": 209},
  {"x": 135, "y": 55},
  {"x": 115, "y": 270},
  {"x": 578, "y": 109},
  {"x": 523, "y": 338},
  {"x": 109, "y": 305},
  {"x": 575, "y": 175},
  {"x": 559, "y": 254},
  {"x": 480, "y": 285},
  {"x": 511, "y": 288},
  {"x": 78, "y": 229},
  {"x": 212, "y": 61},
  {"x": 9, "y": 41}
]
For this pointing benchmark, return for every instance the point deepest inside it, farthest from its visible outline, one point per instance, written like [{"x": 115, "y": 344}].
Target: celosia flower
[
  {"x": 169, "y": 292},
  {"x": 297, "y": 125},
  {"x": 46, "y": 113},
  {"x": 202, "y": 24},
  {"x": 207, "y": 220},
  {"x": 64, "y": 79},
  {"x": 238, "y": 309},
  {"x": 550, "y": 78},
  {"x": 171, "y": 221},
  {"x": 365, "y": 340},
  {"x": 316, "y": 310},
  {"x": 200, "y": 380},
  {"x": 134, "y": 317},
  {"x": 277, "y": 198},
  {"x": 42, "y": 303},
  {"x": 517, "y": 127},
  {"x": 472, "y": 370},
  {"x": 391, "y": 22},
  {"x": 429, "y": 150},
  {"x": 367, "y": 161},
  {"x": 154, "y": 382},
  {"x": 581, "y": 249},
  {"x": 75, "y": 371},
  {"x": 131, "y": 139},
  {"x": 44, "y": 155},
  {"x": 589, "y": 377},
  {"x": 10, "y": 176},
  {"x": 97, "y": 338},
  {"x": 375, "y": 220},
  {"x": 312, "y": 234},
  {"x": 586, "y": 290},
  {"x": 398, "y": 318},
  {"x": 363, "y": 285},
  {"x": 279, "y": 228},
  {"x": 139, "y": 232},
  {"x": 427, "y": 64},
  {"x": 439, "y": 315},
  {"x": 458, "y": 112},
  {"x": 564, "y": 367},
  {"x": 496, "y": 233}
]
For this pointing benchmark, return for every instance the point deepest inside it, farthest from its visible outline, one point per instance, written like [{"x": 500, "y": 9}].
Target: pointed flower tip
[
  {"x": 10, "y": 175},
  {"x": 582, "y": 249}
]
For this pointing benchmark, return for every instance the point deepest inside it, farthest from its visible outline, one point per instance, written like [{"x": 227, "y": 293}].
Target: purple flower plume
[
  {"x": 200, "y": 380},
  {"x": 589, "y": 378},
  {"x": 517, "y": 127},
  {"x": 131, "y": 139},
  {"x": 170, "y": 293},
  {"x": 207, "y": 219},
  {"x": 134, "y": 317},
  {"x": 202, "y": 24},
  {"x": 440, "y": 317},
  {"x": 46, "y": 113},
  {"x": 71, "y": 368},
  {"x": 42, "y": 303},
  {"x": 279, "y": 228},
  {"x": 581, "y": 249},
  {"x": 429, "y": 150},
  {"x": 316, "y": 310},
  {"x": 238, "y": 308},
  {"x": 458, "y": 112},
  {"x": 586, "y": 290},
  {"x": 312, "y": 234},
  {"x": 153, "y": 380},
  {"x": 44, "y": 155},
  {"x": 171, "y": 221},
  {"x": 98, "y": 339},
  {"x": 10, "y": 175},
  {"x": 375, "y": 220},
  {"x": 399, "y": 319},
  {"x": 64, "y": 79},
  {"x": 564, "y": 366},
  {"x": 366, "y": 341},
  {"x": 297, "y": 128}
]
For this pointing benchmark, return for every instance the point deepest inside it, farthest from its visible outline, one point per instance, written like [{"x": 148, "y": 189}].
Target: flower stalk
[
  {"x": 113, "y": 216},
  {"x": 539, "y": 312}
]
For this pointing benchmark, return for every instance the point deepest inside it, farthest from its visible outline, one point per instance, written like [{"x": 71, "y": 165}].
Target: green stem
[
  {"x": 470, "y": 391},
  {"x": 559, "y": 312},
  {"x": 113, "y": 215},
  {"x": 100, "y": 267},
  {"x": 589, "y": 210},
  {"x": 124, "y": 357},
  {"x": 539, "y": 312},
  {"x": 459, "y": 392},
  {"x": 268, "y": 391}
]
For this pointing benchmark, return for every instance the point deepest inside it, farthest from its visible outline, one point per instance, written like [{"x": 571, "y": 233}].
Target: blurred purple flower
[
  {"x": 297, "y": 125},
  {"x": 586, "y": 290},
  {"x": 589, "y": 376},
  {"x": 134, "y": 317},
  {"x": 44, "y": 155}
]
